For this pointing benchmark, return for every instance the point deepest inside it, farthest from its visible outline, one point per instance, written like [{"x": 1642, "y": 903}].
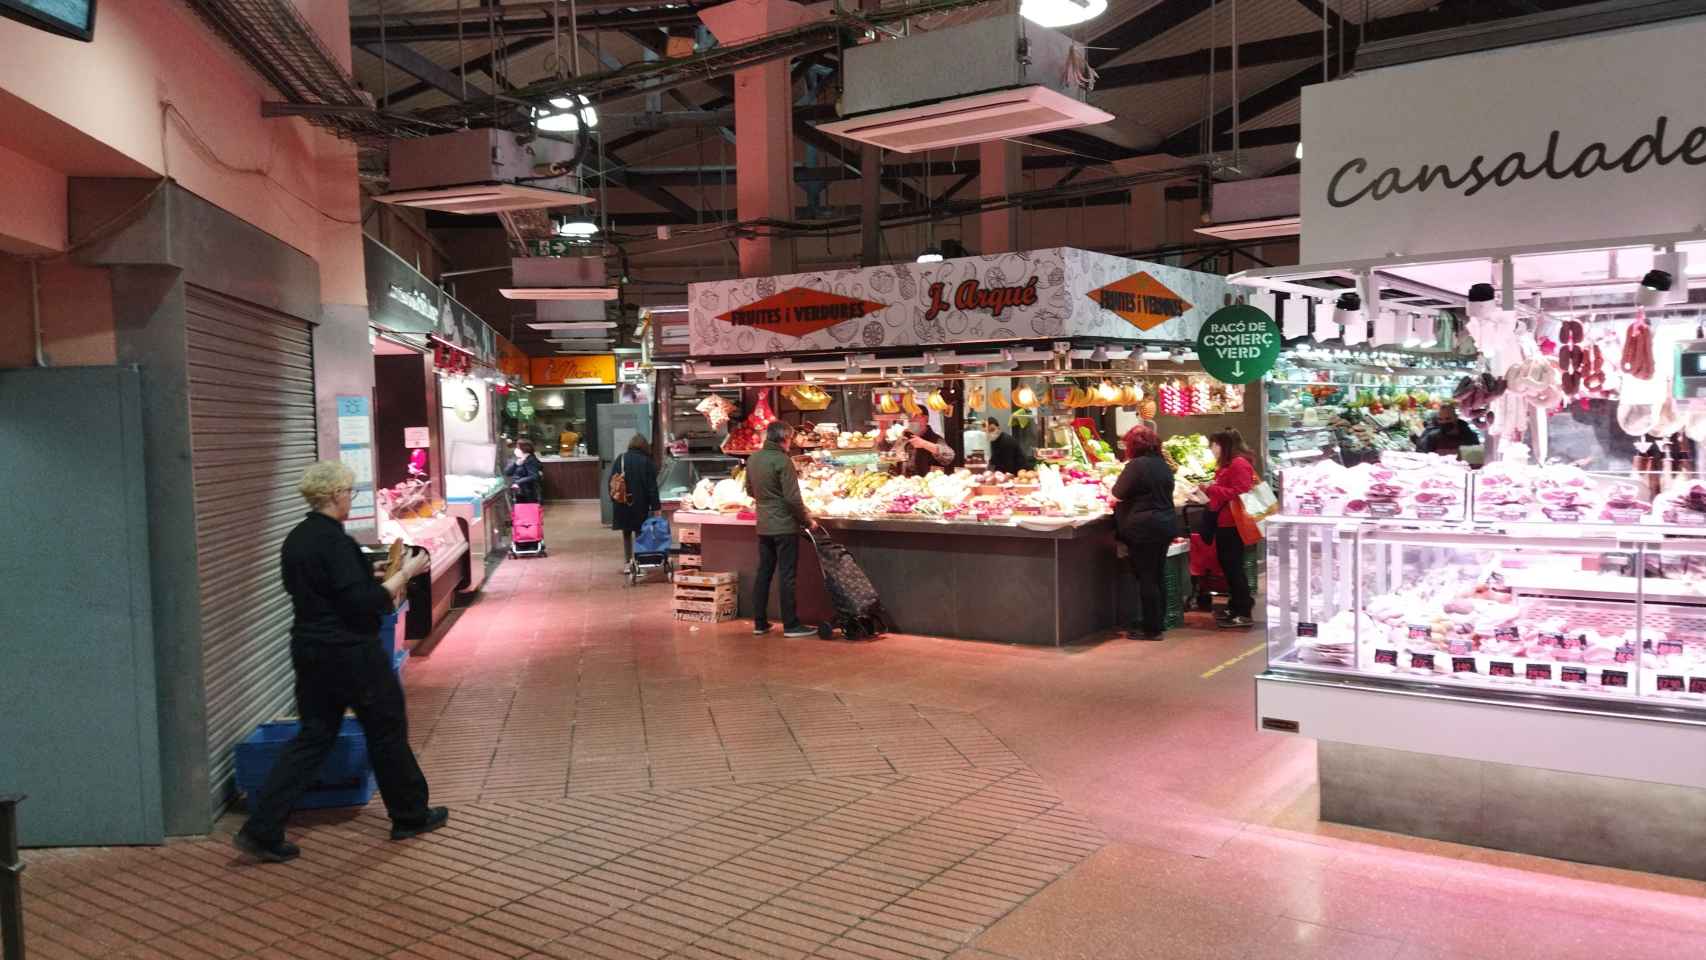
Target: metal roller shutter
[{"x": 251, "y": 386}]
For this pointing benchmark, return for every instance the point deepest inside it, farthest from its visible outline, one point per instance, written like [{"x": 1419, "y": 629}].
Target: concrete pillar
[
  {"x": 998, "y": 175},
  {"x": 764, "y": 127}
]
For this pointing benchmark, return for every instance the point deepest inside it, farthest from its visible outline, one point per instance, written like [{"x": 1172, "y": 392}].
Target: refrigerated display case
[{"x": 1533, "y": 687}]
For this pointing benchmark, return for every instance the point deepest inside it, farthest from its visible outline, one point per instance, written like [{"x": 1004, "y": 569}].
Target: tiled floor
[{"x": 626, "y": 786}]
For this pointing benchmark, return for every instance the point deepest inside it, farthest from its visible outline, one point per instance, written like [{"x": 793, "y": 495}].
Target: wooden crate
[
  {"x": 688, "y": 533},
  {"x": 705, "y": 606},
  {"x": 703, "y": 579},
  {"x": 688, "y": 562},
  {"x": 689, "y": 616}
]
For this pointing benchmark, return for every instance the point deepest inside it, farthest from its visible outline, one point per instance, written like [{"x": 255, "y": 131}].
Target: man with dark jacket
[
  {"x": 775, "y": 490},
  {"x": 1005, "y": 455}
]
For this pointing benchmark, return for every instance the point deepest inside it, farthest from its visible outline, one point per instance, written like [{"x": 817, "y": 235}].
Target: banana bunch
[{"x": 860, "y": 485}]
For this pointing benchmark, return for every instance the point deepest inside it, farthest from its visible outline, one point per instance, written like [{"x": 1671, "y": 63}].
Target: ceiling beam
[
  {"x": 476, "y": 27},
  {"x": 1334, "y": 19},
  {"x": 480, "y": 64},
  {"x": 1147, "y": 25},
  {"x": 834, "y": 149},
  {"x": 411, "y": 62}
]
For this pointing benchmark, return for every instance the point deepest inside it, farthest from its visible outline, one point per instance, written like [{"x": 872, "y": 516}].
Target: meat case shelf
[{"x": 1467, "y": 681}]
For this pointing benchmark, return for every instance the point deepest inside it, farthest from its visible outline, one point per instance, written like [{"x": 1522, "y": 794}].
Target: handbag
[
  {"x": 1259, "y": 502},
  {"x": 1248, "y": 530},
  {"x": 619, "y": 482}
]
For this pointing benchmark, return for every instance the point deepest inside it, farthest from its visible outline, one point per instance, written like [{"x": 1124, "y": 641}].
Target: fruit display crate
[
  {"x": 1176, "y": 589},
  {"x": 344, "y": 780},
  {"x": 687, "y": 533}
]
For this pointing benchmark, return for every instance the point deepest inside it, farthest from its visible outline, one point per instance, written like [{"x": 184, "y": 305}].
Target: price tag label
[
  {"x": 1308, "y": 507},
  {"x": 1670, "y": 684},
  {"x": 1510, "y": 514},
  {"x": 1507, "y": 633},
  {"x": 1669, "y": 647},
  {"x": 1614, "y": 678},
  {"x": 1432, "y": 513},
  {"x": 1384, "y": 509},
  {"x": 1689, "y": 518},
  {"x": 1562, "y": 514},
  {"x": 1307, "y": 630},
  {"x": 1463, "y": 665},
  {"x": 1625, "y": 653},
  {"x": 1419, "y": 631},
  {"x": 1538, "y": 671},
  {"x": 1626, "y": 516},
  {"x": 1554, "y": 639},
  {"x": 1501, "y": 668},
  {"x": 1697, "y": 684},
  {"x": 1573, "y": 674},
  {"x": 1421, "y": 661},
  {"x": 1386, "y": 656}
]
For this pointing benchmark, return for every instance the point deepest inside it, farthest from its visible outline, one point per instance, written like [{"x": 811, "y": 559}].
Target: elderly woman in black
[
  {"x": 340, "y": 664},
  {"x": 640, "y": 485},
  {"x": 1144, "y": 522}
]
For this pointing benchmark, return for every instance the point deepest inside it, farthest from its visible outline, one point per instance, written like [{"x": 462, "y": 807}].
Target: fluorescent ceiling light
[
  {"x": 558, "y": 293},
  {"x": 1061, "y": 13},
  {"x": 577, "y": 228},
  {"x": 575, "y": 325}
]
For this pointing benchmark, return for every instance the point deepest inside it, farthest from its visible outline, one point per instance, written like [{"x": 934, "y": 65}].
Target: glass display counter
[
  {"x": 1538, "y": 687},
  {"x": 410, "y": 513}
]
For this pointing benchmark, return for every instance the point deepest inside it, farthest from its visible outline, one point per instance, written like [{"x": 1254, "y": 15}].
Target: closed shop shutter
[{"x": 251, "y": 384}]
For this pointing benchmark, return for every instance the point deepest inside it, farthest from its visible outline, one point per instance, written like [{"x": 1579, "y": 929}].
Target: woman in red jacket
[{"x": 1234, "y": 476}]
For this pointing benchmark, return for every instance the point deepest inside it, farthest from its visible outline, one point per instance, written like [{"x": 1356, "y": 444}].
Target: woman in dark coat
[
  {"x": 1145, "y": 523},
  {"x": 525, "y": 473},
  {"x": 641, "y": 475}
]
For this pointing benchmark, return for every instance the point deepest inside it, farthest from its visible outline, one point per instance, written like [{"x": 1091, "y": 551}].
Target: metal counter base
[
  {"x": 1616, "y": 790},
  {"x": 965, "y": 581}
]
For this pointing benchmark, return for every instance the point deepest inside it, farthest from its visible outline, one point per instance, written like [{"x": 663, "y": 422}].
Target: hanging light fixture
[
  {"x": 567, "y": 118},
  {"x": 578, "y": 228},
  {"x": 1061, "y": 13},
  {"x": 931, "y": 254}
]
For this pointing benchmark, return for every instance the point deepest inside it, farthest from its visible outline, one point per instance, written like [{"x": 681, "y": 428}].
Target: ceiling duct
[
  {"x": 482, "y": 171},
  {"x": 924, "y": 91}
]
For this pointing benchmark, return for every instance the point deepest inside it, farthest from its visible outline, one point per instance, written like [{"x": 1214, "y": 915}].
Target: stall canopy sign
[
  {"x": 1141, "y": 300},
  {"x": 1238, "y": 344},
  {"x": 800, "y": 310},
  {"x": 973, "y": 295},
  {"x": 589, "y": 368}
]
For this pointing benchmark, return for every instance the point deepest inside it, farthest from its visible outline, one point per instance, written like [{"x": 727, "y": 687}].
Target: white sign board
[
  {"x": 417, "y": 437},
  {"x": 1590, "y": 138},
  {"x": 1050, "y": 294}
]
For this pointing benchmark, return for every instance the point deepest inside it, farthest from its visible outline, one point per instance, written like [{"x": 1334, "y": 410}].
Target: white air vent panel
[{"x": 999, "y": 115}]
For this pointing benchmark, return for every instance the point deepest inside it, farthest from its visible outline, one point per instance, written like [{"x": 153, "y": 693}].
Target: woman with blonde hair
[{"x": 334, "y": 647}]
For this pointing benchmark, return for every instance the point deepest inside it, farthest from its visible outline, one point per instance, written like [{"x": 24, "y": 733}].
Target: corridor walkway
[{"x": 625, "y": 786}]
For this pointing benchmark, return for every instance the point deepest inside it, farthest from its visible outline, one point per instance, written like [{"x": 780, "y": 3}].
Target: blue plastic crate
[{"x": 344, "y": 780}]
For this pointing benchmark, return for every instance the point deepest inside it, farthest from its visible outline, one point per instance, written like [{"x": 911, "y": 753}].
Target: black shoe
[
  {"x": 436, "y": 817},
  {"x": 799, "y": 630},
  {"x": 1221, "y": 616},
  {"x": 1236, "y": 623},
  {"x": 280, "y": 852},
  {"x": 760, "y": 629}
]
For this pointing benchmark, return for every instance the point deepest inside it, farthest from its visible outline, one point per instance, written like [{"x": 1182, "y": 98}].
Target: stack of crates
[
  {"x": 706, "y": 597},
  {"x": 688, "y": 557}
]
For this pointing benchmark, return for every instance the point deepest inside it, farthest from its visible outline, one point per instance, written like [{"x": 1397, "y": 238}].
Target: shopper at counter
[
  {"x": 640, "y": 480},
  {"x": 922, "y": 449},
  {"x": 524, "y": 473},
  {"x": 775, "y": 491},
  {"x": 1144, "y": 521},
  {"x": 339, "y": 663},
  {"x": 1234, "y": 476},
  {"x": 1448, "y": 434},
  {"x": 1005, "y": 454}
]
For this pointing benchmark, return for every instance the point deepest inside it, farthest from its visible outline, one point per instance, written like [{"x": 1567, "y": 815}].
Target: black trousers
[
  {"x": 328, "y": 681},
  {"x": 1148, "y": 562},
  {"x": 1229, "y": 548},
  {"x": 776, "y": 555}
]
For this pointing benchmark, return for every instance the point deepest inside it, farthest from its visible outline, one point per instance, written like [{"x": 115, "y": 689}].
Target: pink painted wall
[
  {"x": 157, "y": 93},
  {"x": 32, "y": 209}
]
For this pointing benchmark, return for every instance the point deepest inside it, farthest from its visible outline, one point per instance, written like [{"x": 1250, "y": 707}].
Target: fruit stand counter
[{"x": 966, "y": 580}]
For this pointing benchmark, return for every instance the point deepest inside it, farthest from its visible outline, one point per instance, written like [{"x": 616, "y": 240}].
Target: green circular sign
[{"x": 1238, "y": 344}]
